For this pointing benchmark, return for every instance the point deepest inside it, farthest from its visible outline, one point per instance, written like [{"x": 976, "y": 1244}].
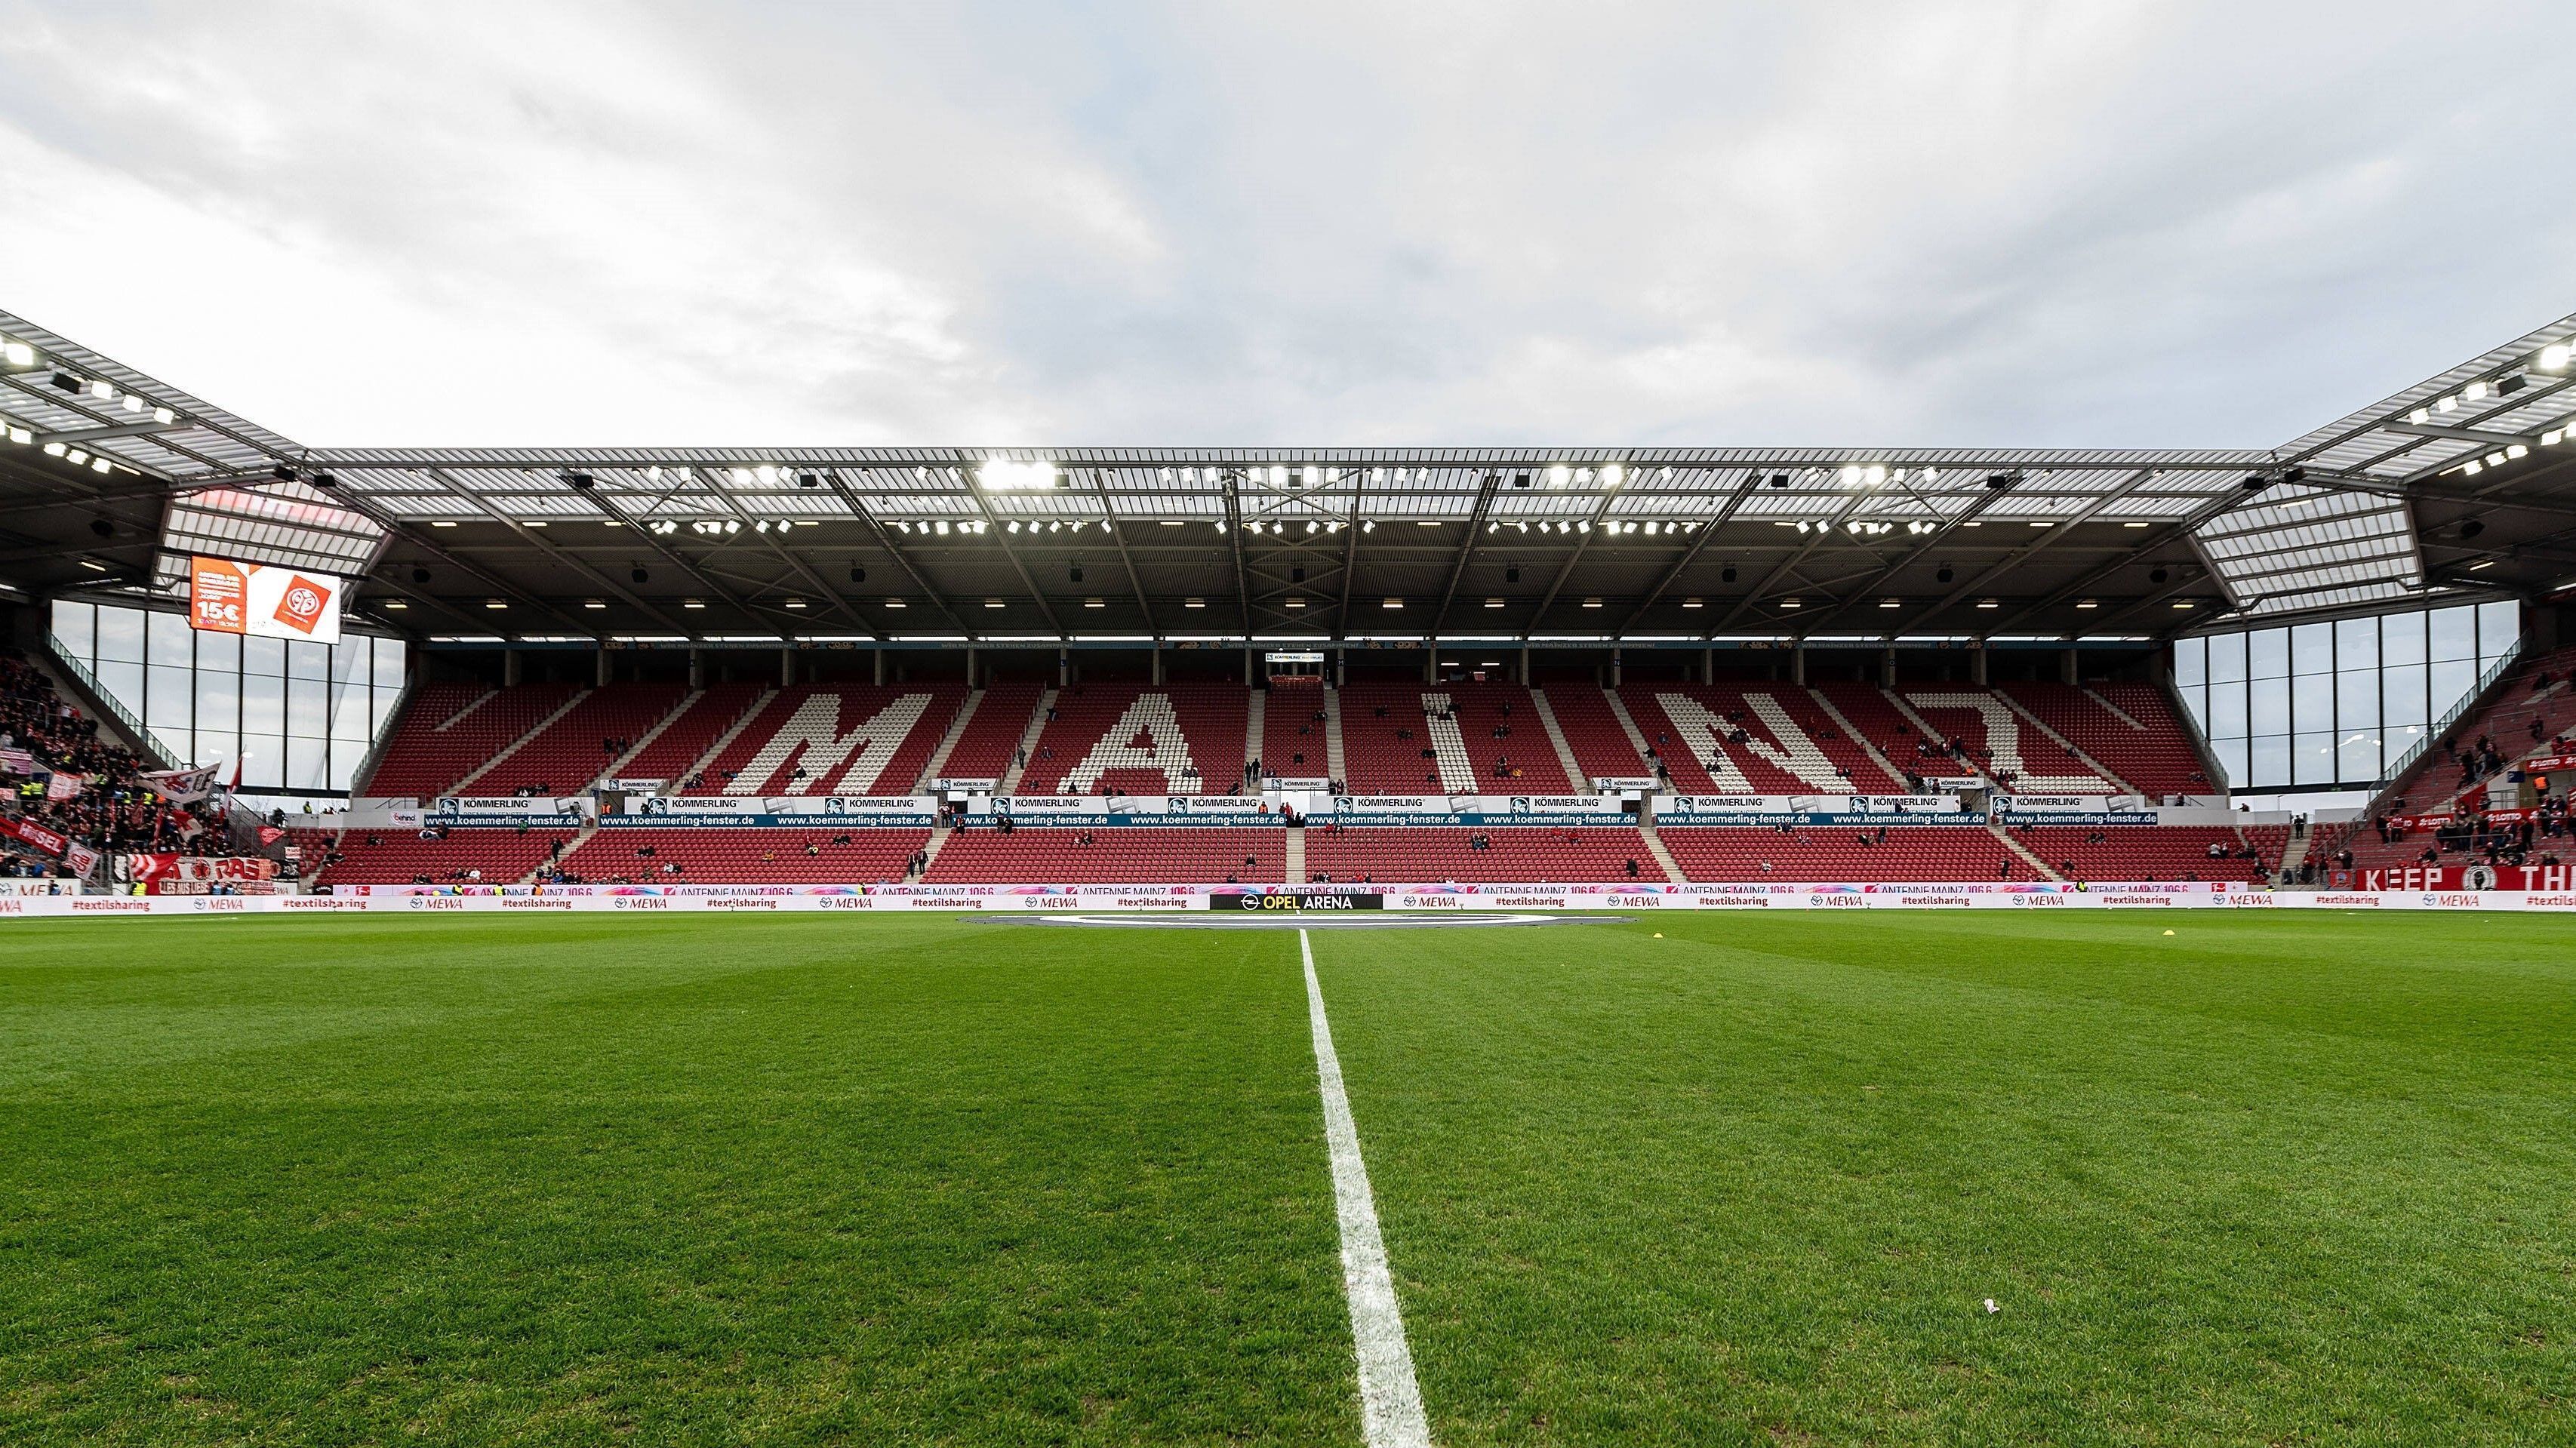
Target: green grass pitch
[{"x": 2269, "y": 1179}]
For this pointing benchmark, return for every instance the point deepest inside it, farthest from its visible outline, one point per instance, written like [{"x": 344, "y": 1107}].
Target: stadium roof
[{"x": 2457, "y": 486}]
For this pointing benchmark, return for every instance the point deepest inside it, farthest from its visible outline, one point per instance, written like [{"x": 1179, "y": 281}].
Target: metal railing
[
  {"x": 2395, "y": 774},
  {"x": 168, "y": 758}
]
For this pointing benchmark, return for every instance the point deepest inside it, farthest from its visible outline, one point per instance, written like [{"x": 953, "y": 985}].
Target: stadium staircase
[
  {"x": 1923, "y": 727},
  {"x": 1663, "y": 857},
  {"x": 1256, "y": 713},
  {"x": 1295, "y": 859},
  {"x": 2046, "y": 870},
  {"x": 938, "y": 761},
  {"x": 1858, "y": 736},
  {"x": 715, "y": 750},
  {"x": 2294, "y": 854},
  {"x": 520, "y": 741},
  {"x": 1028, "y": 745},
  {"x": 644, "y": 741},
  {"x": 1577, "y": 778},
  {"x": 1628, "y": 722},
  {"x": 580, "y": 837},
  {"x": 2061, "y": 741},
  {"x": 1333, "y": 739},
  {"x": 939, "y": 836},
  {"x": 1594, "y": 733}
]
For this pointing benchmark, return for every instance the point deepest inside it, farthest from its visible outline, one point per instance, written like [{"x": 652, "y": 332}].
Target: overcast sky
[{"x": 1933, "y": 222}]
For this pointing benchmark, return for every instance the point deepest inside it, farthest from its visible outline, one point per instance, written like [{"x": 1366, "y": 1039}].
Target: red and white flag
[
  {"x": 182, "y": 786},
  {"x": 81, "y": 858}
]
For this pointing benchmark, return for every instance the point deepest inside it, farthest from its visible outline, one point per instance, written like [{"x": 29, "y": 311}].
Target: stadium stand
[
  {"x": 1440, "y": 739},
  {"x": 818, "y": 856},
  {"x": 674, "y": 753},
  {"x": 569, "y": 754},
  {"x": 2006, "y": 746},
  {"x": 1923, "y": 853},
  {"x": 1293, "y": 723},
  {"x": 434, "y": 857},
  {"x": 112, "y": 809},
  {"x": 836, "y": 738},
  {"x": 2524, "y": 716},
  {"x": 1151, "y": 855},
  {"x": 1518, "y": 854},
  {"x": 1142, "y": 739},
  {"x": 1753, "y": 739},
  {"x": 2153, "y": 753},
  {"x": 1601, "y": 747},
  {"x": 434, "y": 745},
  {"x": 993, "y": 733}
]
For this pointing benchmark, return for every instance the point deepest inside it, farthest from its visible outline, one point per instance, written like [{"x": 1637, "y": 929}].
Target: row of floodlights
[{"x": 2552, "y": 358}]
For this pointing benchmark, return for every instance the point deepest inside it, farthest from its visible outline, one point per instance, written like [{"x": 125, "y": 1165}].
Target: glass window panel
[
  {"x": 351, "y": 712},
  {"x": 2267, "y": 653},
  {"x": 123, "y": 683},
  {"x": 218, "y": 701},
  {"x": 386, "y": 701},
  {"x": 167, "y": 640},
  {"x": 2401, "y": 693},
  {"x": 2269, "y": 762},
  {"x": 76, "y": 628},
  {"x": 2226, "y": 658},
  {"x": 2356, "y": 644},
  {"x": 120, "y": 635},
  {"x": 219, "y": 651},
  {"x": 350, "y": 660},
  {"x": 2191, "y": 662},
  {"x": 2401, "y": 638},
  {"x": 2312, "y": 649},
  {"x": 389, "y": 663},
  {"x": 2312, "y": 758},
  {"x": 2499, "y": 624},
  {"x": 2450, "y": 683},
  {"x": 2397, "y": 739},
  {"x": 307, "y": 661},
  {"x": 263, "y": 759},
  {"x": 344, "y": 767},
  {"x": 2195, "y": 699},
  {"x": 2231, "y": 758},
  {"x": 2357, "y": 755},
  {"x": 308, "y": 763},
  {"x": 2455, "y": 634},
  {"x": 2268, "y": 710},
  {"x": 308, "y": 708},
  {"x": 2357, "y": 700},
  {"x": 2227, "y": 711},
  {"x": 2312, "y": 704},
  {"x": 263, "y": 656},
  {"x": 263, "y": 705},
  {"x": 171, "y": 699},
  {"x": 217, "y": 746}
]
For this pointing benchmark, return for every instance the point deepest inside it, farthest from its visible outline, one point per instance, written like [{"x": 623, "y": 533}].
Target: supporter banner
[
  {"x": 17, "y": 761},
  {"x": 34, "y": 835},
  {"x": 182, "y": 786},
  {"x": 507, "y": 810},
  {"x": 80, "y": 859},
  {"x": 886, "y": 811},
  {"x": 263, "y": 601},
  {"x": 64, "y": 785},
  {"x": 2545, "y": 878},
  {"x": 154, "y": 870}
]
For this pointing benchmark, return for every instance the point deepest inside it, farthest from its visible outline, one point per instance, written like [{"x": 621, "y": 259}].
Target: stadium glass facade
[
  {"x": 299, "y": 716},
  {"x": 2334, "y": 705}
]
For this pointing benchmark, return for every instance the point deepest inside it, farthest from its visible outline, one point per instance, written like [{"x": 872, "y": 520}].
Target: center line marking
[{"x": 1390, "y": 1400}]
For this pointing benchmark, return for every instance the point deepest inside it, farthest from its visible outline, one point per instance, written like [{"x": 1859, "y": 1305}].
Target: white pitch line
[{"x": 1390, "y": 1400}]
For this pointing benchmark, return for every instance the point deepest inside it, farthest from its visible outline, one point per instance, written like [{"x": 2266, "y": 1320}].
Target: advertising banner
[
  {"x": 563, "y": 813},
  {"x": 873, "y": 811},
  {"x": 2544, "y": 878},
  {"x": 263, "y": 601},
  {"x": 1073, "y": 810},
  {"x": 35, "y": 836}
]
